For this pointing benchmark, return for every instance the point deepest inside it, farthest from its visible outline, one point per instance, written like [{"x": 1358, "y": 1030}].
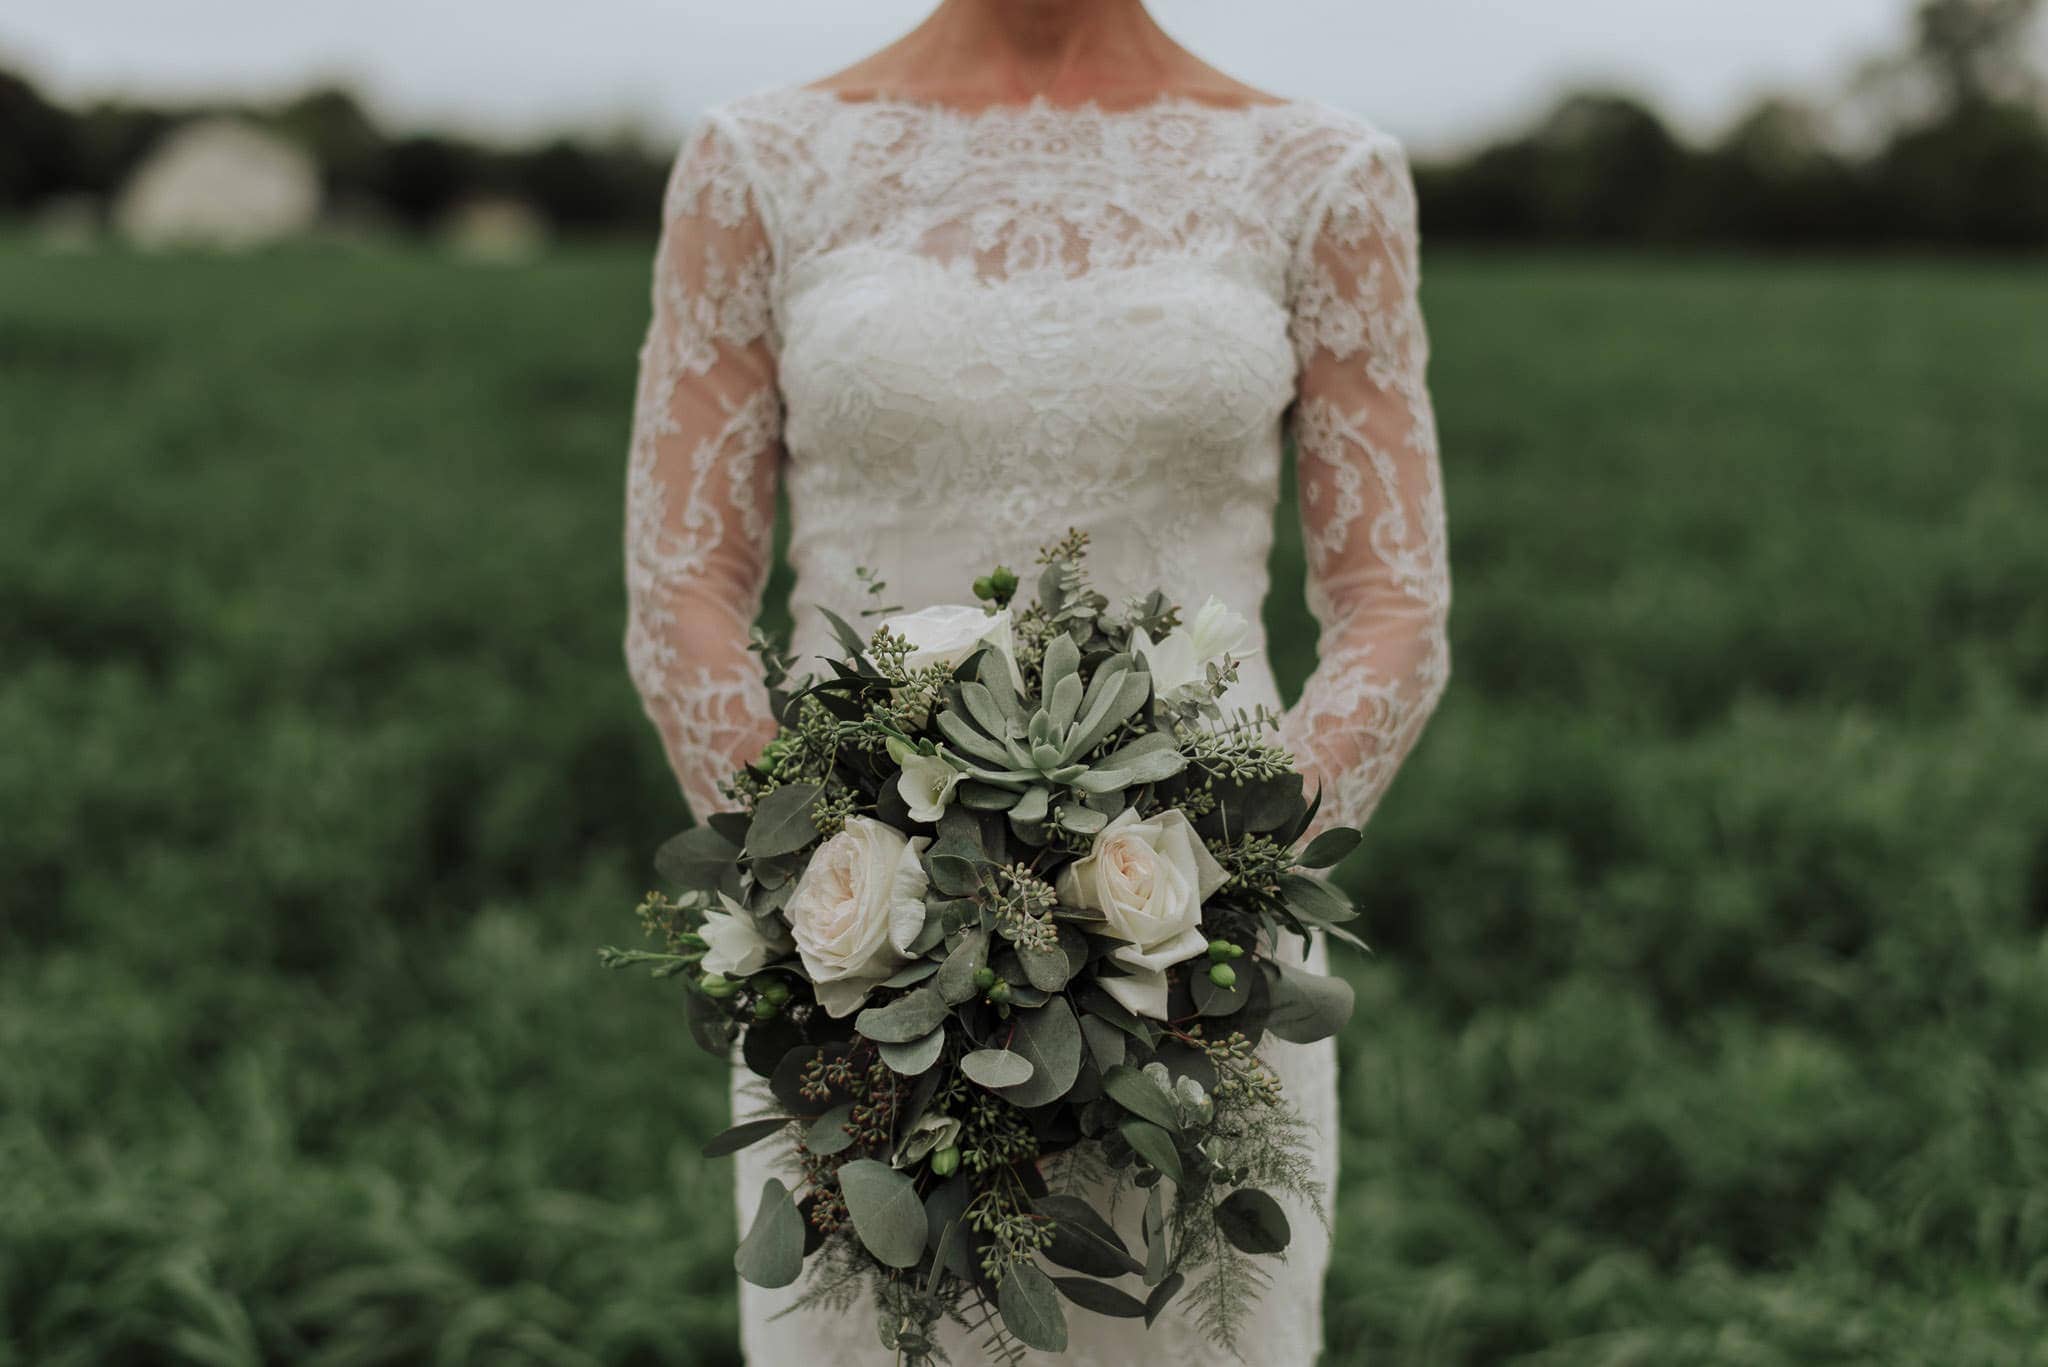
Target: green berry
[
  {"x": 1003, "y": 581},
  {"x": 1000, "y": 992},
  {"x": 984, "y": 978},
  {"x": 946, "y": 1161},
  {"x": 765, "y": 1009},
  {"x": 1223, "y": 975},
  {"x": 717, "y": 986},
  {"x": 775, "y": 991},
  {"x": 984, "y": 587},
  {"x": 1219, "y": 950}
]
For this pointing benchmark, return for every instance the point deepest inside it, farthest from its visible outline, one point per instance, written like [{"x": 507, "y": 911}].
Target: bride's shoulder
[
  {"x": 1314, "y": 143},
  {"x": 1321, "y": 134}
]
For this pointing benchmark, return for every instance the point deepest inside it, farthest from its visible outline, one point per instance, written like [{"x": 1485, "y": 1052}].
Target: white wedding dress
[{"x": 952, "y": 334}]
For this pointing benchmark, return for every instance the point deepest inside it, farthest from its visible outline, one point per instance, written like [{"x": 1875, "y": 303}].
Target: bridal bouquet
[{"x": 1005, "y": 888}]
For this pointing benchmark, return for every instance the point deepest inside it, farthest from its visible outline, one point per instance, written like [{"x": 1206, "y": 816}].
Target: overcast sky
[{"x": 1438, "y": 72}]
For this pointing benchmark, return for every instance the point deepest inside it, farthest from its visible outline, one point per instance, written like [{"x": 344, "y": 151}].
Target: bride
[{"x": 1035, "y": 267}]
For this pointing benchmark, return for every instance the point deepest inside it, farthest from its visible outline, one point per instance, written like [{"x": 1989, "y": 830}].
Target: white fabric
[{"x": 956, "y": 333}]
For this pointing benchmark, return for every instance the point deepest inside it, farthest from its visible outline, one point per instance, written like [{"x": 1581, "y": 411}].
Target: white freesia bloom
[
  {"x": 947, "y": 633},
  {"x": 736, "y": 945},
  {"x": 931, "y": 1132},
  {"x": 1183, "y": 656},
  {"x": 856, "y": 909},
  {"x": 1148, "y": 877},
  {"x": 927, "y": 781}
]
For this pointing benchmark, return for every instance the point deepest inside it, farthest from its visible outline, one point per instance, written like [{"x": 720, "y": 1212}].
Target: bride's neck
[{"x": 1015, "y": 49}]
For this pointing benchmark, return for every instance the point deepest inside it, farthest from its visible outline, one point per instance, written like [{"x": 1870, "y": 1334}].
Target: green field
[{"x": 1708, "y": 1022}]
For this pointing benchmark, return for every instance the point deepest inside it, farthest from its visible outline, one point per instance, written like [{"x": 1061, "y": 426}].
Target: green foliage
[{"x": 1705, "y": 1017}]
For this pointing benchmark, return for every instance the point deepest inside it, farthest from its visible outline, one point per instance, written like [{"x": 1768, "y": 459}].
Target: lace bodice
[{"x": 956, "y": 333}]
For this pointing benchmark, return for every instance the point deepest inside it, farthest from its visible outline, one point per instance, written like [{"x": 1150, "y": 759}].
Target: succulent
[{"x": 1016, "y": 754}]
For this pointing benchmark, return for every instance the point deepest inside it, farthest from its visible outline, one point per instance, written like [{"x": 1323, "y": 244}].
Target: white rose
[
  {"x": 927, "y": 781},
  {"x": 1182, "y": 658},
  {"x": 948, "y": 633},
  {"x": 737, "y": 946},
  {"x": 856, "y": 909},
  {"x": 1149, "y": 879}
]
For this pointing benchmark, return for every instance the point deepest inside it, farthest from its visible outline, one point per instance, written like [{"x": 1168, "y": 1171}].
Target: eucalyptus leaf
[
  {"x": 1161, "y": 1294},
  {"x": 997, "y": 1067},
  {"x": 1083, "y": 1240},
  {"x": 1106, "y": 1043},
  {"x": 1050, "y": 1038},
  {"x": 911, "y": 1016},
  {"x": 828, "y": 1133},
  {"x": 849, "y": 640},
  {"x": 782, "y": 821},
  {"x": 1253, "y": 1221},
  {"x": 945, "y": 1208},
  {"x": 887, "y": 1214},
  {"x": 1315, "y": 900},
  {"x": 954, "y": 875},
  {"x": 1139, "y": 1095},
  {"x": 699, "y": 858},
  {"x": 1307, "y": 1006},
  {"x": 709, "y": 1026},
  {"x": 1154, "y": 1227},
  {"x": 1030, "y": 1307},
  {"x": 916, "y": 971},
  {"x": 731, "y": 825},
  {"x": 772, "y": 1254},
  {"x": 746, "y": 1133},
  {"x": 955, "y": 979},
  {"x": 1153, "y": 1144},
  {"x": 1045, "y": 969},
  {"x": 1330, "y": 848},
  {"x": 919, "y": 1054},
  {"x": 1211, "y": 1000},
  {"x": 1100, "y": 1297}
]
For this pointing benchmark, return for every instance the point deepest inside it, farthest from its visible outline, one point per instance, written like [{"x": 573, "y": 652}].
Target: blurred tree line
[
  {"x": 579, "y": 185},
  {"x": 1944, "y": 143}
]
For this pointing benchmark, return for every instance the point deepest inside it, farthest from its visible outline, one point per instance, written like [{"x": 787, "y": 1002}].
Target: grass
[{"x": 1707, "y": 1018}]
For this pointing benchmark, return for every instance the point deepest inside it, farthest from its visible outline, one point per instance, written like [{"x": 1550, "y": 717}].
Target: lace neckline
[{"x": 1038, "y": 108}]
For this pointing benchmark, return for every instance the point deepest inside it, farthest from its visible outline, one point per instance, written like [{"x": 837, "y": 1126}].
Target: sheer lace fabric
[{"x": 955, "y": 334}]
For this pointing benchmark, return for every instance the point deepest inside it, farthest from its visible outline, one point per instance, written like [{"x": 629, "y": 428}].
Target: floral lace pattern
[{"x": 952, "y": 335}]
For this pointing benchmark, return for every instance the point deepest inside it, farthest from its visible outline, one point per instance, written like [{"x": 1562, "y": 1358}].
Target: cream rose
[
  {"x": 1148, "y": 877},
  {"x": 856, "y": 909},
  {"x": 1182, "y": 658},
  {"x": 948, "y": 633}
]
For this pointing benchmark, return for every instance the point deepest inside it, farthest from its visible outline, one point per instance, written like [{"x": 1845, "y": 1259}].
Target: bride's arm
[
  {"x": 1369, "y": 484},
  {"x": 706, "y": 456}
]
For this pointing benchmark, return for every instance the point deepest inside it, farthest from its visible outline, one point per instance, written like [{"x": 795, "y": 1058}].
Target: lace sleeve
[
  {"x": 705, "y": 458},
  {"x": 1369, "y": 485}
]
